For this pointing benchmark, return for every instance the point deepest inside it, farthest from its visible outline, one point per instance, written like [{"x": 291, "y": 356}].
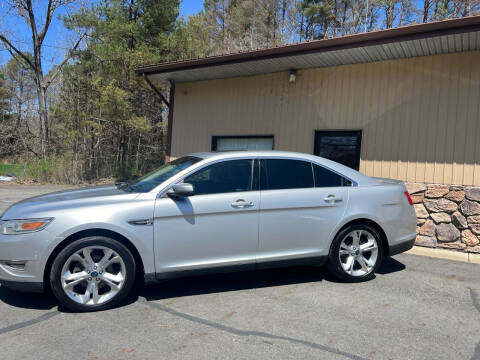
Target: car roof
[{"x": 250, "y": 153}]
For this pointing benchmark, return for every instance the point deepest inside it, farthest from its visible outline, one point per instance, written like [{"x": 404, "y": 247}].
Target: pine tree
[{"x": 109, "y": 111}]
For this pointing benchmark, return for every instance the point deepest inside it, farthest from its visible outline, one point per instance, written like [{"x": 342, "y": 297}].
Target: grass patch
[
  {"x": 51, "y": 169},
  {"x": 17, "y": 169},
  {"x": 55, "y": 169}
]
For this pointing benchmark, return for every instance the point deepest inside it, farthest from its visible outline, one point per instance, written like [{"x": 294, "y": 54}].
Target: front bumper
[{"x": 23, "y": 258}]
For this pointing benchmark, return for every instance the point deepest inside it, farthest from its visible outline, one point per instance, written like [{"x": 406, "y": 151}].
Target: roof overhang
[{"x": 442, "y": 37}]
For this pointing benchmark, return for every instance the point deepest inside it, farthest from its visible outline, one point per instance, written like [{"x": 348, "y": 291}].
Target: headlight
[{"x": 13, "y": 227}]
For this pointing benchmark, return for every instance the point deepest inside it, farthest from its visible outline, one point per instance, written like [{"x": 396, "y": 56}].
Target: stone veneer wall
[{"x": 448, "y": 216}]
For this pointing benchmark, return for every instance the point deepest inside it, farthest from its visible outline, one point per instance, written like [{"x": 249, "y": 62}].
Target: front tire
[
  {"x": 356, "y": 253},
  {"x": 92, "y": 274}
]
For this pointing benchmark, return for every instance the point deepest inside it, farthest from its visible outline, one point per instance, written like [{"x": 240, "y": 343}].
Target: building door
[
  {"x": 340, "y": 146},
  {"x": 251, "y": 142}
]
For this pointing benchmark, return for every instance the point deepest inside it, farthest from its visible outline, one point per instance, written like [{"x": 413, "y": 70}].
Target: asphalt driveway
[{"x": 415, "y": 308}]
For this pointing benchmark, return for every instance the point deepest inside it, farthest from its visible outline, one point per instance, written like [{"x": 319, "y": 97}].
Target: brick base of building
[{"x": 448, "y": 216}]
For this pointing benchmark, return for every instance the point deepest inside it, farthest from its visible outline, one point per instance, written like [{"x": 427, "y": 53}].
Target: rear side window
[
  {"x": 327, "y": 178},
  {"x": 278, "y": 174},
  {"x": 223, "y": 177}
]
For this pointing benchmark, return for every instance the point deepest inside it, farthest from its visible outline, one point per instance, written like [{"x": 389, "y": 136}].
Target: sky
[
  {"x": 54, "y": 45},
  {"x": 190, "y": 7}
]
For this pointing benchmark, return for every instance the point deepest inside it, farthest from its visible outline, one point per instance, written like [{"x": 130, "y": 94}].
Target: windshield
[{"x": 164, "y": 172}]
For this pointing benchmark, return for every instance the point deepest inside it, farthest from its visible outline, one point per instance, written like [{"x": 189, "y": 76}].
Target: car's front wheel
[
  {"x": 93, "y": 273},
  {"x": 356, "y": 253}
]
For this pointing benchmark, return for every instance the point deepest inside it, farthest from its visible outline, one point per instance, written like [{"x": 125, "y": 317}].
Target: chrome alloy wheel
[
  {"x": 358, "y": 253},
  {"x": 93, "y": 275}
]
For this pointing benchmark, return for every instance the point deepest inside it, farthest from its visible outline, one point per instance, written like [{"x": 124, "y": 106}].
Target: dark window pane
[
  {"x": 340, "y": 146},
  {"x": 286, "y": 174},
  {"x": 222, "y": 177},
  {"x": 327, "y": 178}
]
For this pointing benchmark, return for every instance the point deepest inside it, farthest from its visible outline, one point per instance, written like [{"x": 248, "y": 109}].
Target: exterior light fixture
[{"x": 293, "y": 76}]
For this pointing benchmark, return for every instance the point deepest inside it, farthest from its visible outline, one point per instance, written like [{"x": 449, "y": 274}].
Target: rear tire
[
  {"x": 356, "y": 253},
  {"x": 91, "y": 274}
]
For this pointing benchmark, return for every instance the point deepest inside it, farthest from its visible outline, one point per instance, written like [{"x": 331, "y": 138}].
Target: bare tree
[
  {"x": 426, "y": 8},
  {"x": 24, "y": 9},
  {"x": 389, "y": 13}
]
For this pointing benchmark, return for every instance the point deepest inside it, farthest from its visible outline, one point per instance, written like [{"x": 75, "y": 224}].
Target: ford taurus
[{"x": 204, "y": 212}]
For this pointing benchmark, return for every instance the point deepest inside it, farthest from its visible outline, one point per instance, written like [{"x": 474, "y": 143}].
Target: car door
[
  {"x": 217, "y": 226},
  {"x": 296, "y": 218}
]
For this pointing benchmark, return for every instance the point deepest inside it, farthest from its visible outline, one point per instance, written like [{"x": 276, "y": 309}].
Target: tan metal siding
[{"x": 420, "y": 117}]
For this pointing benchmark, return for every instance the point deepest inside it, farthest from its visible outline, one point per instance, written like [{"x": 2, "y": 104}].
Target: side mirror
[{"x": 179, "y": 191}]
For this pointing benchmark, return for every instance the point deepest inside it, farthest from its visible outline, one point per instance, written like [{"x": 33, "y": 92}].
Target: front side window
[
  {"x": 327, "y": 178},
  {"x": 278, "y": 174},
  {"x": 222, "y": 177},
  {"x": 156, "y": 177}
]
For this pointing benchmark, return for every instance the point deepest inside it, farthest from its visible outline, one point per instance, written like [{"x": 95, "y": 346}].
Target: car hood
[{"x": 66, "y": 199}]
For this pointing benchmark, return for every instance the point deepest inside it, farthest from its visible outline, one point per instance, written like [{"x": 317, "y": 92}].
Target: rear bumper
[{"x": 401, "y": 247}]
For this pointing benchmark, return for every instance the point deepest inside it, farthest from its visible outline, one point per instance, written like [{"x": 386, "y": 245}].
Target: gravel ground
[{"x": 415, "y": 308}]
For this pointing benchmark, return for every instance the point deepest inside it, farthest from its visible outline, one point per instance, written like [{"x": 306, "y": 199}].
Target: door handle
[
  {"x": 332, "y": 199},
  {"x": 241, "y": 204}
]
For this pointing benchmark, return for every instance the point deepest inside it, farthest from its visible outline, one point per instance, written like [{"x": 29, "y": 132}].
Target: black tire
[
  {"x": 334, "y": 266},
  {"x": 68, "y": 251}
]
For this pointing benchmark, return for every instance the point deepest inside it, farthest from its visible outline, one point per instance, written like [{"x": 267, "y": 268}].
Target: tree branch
[
  {"x": 12, "y": 49},
  {"x": 31, "y": 21},
  {"x": 69, "y": 55},
  {"x": 21, "y": 8},
  {"x": 52, "y": 6}
]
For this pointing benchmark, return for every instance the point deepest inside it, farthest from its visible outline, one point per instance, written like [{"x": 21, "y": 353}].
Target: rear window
[
  {"x": 328, "y": 178},
  {"x": 279, "y": 174}
]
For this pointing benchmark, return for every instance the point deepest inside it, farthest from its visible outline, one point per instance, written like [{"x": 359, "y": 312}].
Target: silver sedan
[{"x": 205, "y": 212}]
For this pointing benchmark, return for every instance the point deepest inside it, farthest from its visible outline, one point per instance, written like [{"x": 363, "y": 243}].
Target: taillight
[{"x": 409, "y": 198}]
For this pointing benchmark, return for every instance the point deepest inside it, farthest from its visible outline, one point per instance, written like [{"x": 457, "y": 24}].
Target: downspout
[
  {"x": 168, "y": 152},
  {"x": 154, "y": 88}
]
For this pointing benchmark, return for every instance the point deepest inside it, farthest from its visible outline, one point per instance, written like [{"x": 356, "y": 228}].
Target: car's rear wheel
[
  {"x": 93, "y": 273},
  {"x": 356, "y": 253}
]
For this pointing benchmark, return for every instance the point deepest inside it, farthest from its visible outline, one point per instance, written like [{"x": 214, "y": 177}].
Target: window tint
[
  {"x": 222, "y": 177},
  {"x": 327, "y": 178},
  {"x": 285, "y": 174}
]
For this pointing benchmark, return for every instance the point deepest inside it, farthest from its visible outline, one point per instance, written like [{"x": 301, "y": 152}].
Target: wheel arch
[
  {"x": 92, "y": 232},
  {"x": 368, "y": 222}
]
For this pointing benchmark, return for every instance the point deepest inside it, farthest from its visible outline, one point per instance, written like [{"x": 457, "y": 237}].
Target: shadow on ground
[
  {"x": 207, "y": 284},
  {"x": 390, "y": 265},
  {"x": 26, "y": 300}
]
